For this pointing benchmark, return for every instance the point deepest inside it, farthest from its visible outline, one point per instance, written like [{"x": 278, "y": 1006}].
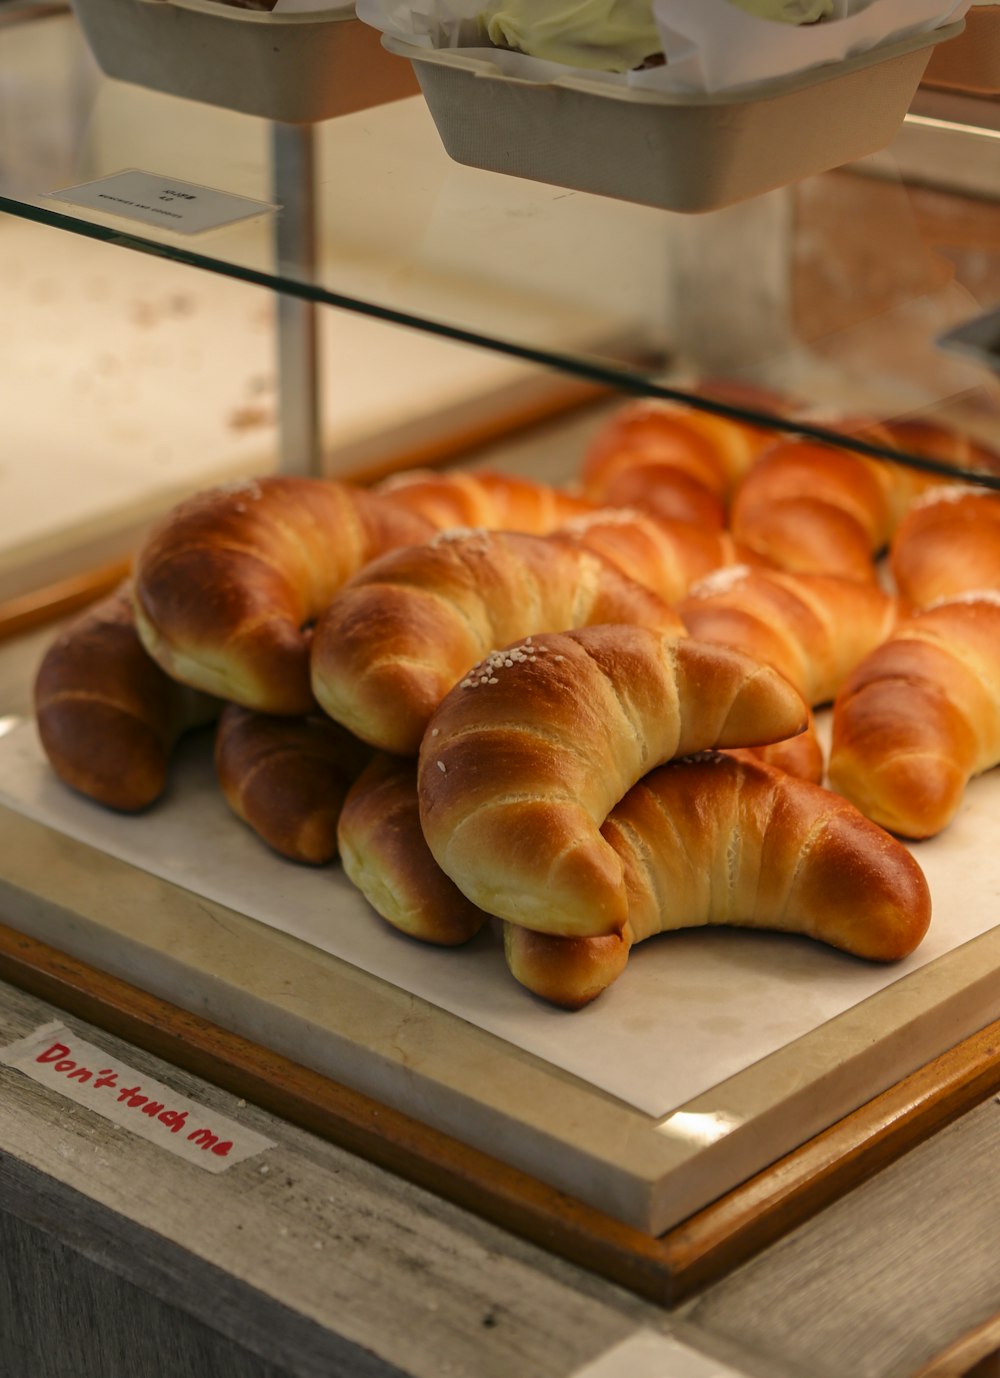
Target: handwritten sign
[
  {"x": 183, "y": 207},
  {"x": 55, "y": 1057}
]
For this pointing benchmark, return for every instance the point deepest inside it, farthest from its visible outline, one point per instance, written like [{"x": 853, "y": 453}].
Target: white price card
[
  {"x": 167, "y": 202},
  {"x": 55, "y": 1057}
]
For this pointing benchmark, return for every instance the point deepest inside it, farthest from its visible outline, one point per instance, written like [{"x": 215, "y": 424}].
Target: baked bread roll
[
  {"x": 713, "y": 450},
  {"x": 407, "y": 628},
  {"x": 816, "y": 509},
  {"x": 525, "y": 758},
  {"x": 661, "y": 490},
  {"x": 813, "y": 509},
  {"x": 715, "y": 841},
  {"x": 666, "y": 556},
  {"x": 227, "y": 584},
  {"x": 947, "y": 544},
  {"x": 932, "y": 440},
  {"x": 108, "y": 717},
  {"x": 287, "y": 778},
  {"x": 920, "y": 716},
  {"x": 496, "y": 502},
  {"x": 813, "y": 628},
  {"x": 383, "y": 851}
]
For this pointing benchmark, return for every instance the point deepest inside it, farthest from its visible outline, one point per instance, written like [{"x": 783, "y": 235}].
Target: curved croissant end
[{"x": 715, "y": 841}]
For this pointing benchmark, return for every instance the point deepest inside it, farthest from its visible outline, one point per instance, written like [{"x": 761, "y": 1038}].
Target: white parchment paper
[
  {"x": 690, "y": 1010},
  {"x": 709, "y": 45}
]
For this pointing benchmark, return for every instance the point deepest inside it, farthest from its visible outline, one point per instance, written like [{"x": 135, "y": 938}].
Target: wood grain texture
[
  {"x": 886, "y": 1278},
  {"x": 61, "y": 1317},
  {"x": 664, "y": 1270},
  {"x": 974, "y": 1355}
]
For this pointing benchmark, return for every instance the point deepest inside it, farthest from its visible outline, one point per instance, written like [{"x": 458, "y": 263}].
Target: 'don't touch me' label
[{"x": 55, "y": 1057}]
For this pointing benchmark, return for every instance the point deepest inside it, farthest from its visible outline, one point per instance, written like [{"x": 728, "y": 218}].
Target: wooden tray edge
[{"x": 664, "y": 1270}]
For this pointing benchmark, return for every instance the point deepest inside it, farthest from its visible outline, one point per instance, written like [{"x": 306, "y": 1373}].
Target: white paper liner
[
  {"x": 691, "y": 1009},
  {"x": 710, "y": 46}
]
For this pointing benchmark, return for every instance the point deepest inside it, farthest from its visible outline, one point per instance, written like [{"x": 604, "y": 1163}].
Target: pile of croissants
[{"x": 587, "y": 714}]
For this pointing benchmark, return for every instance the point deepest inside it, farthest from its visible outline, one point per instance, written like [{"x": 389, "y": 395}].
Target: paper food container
[
  {"x": 295, "y": 67},
  {"x": 676, "y": 151},
  {"x": 970, "y": 62}
]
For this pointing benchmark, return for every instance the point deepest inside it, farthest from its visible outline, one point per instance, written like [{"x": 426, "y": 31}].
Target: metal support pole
[{"x": 293, "y": 175}]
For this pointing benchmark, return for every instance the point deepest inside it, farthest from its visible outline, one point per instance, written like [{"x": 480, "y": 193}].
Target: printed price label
[
  {"x": 163, "y": 201},
  {"x": 54, "y": 1057}
]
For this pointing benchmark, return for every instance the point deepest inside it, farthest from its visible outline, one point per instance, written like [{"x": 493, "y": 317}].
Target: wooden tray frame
[{"x": 665, "y": 1270}]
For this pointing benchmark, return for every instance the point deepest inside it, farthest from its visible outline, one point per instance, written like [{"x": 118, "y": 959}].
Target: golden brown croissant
[
  {"x": 948, "y": 543},
  {"x": 496, "y": 502},
  {"x": 383, "y": 851},
  {"x": 666, "y": 556},
  {"x": 108, "y": 717},
  {"x": 524, "y": 759},
  {"x": 227, "y": 583},
  {"x": 711, "y": 840},
  {"x": 662, "y": 490},
  {"x": 813, "y": 509},
  {"x": 715, "y": 451},
  {"x": 407, "y": 628},
  {"x": 933, "y": 440},
  {"x": 920, "y": 716},
  {"x": 813, "y": 628},
  {"x": 287, "y": 778}
]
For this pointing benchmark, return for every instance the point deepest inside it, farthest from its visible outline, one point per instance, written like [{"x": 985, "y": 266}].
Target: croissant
[
  {"x": 933, "y": 440},
  {"x": 813, "y": 628},
  {"x": 711, "y": 840},
  {"x": 713, "y": 450},
  {"x": 920, "y": 716},
  {"x": 227, "y": 582},
  {"x": 497, "y": 502},
  {"x": 948, "y": 543},
  {"x": 813, "y": 509},
  {"x": 662, "y": 490},
  {"x": 524, "y": 759},
  {"x": 108, "y": 717},
  {"x": 383, "y": 851},
  {"x": 287, "y": 778},
  {"x": 407, "y": 628},
  {"x": 666, "y": 556}
]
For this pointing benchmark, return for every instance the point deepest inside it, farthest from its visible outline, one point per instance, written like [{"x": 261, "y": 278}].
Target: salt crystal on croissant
[
  {"x": 397, "y": 638},
  {"x": 521, "y": 766}
]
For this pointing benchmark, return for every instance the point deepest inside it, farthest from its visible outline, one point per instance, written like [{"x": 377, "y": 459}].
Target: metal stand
[{"x": 293, "y": 174}]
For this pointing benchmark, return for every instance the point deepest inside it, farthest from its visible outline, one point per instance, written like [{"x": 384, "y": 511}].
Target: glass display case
[{"x": 360, "y": 305}]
